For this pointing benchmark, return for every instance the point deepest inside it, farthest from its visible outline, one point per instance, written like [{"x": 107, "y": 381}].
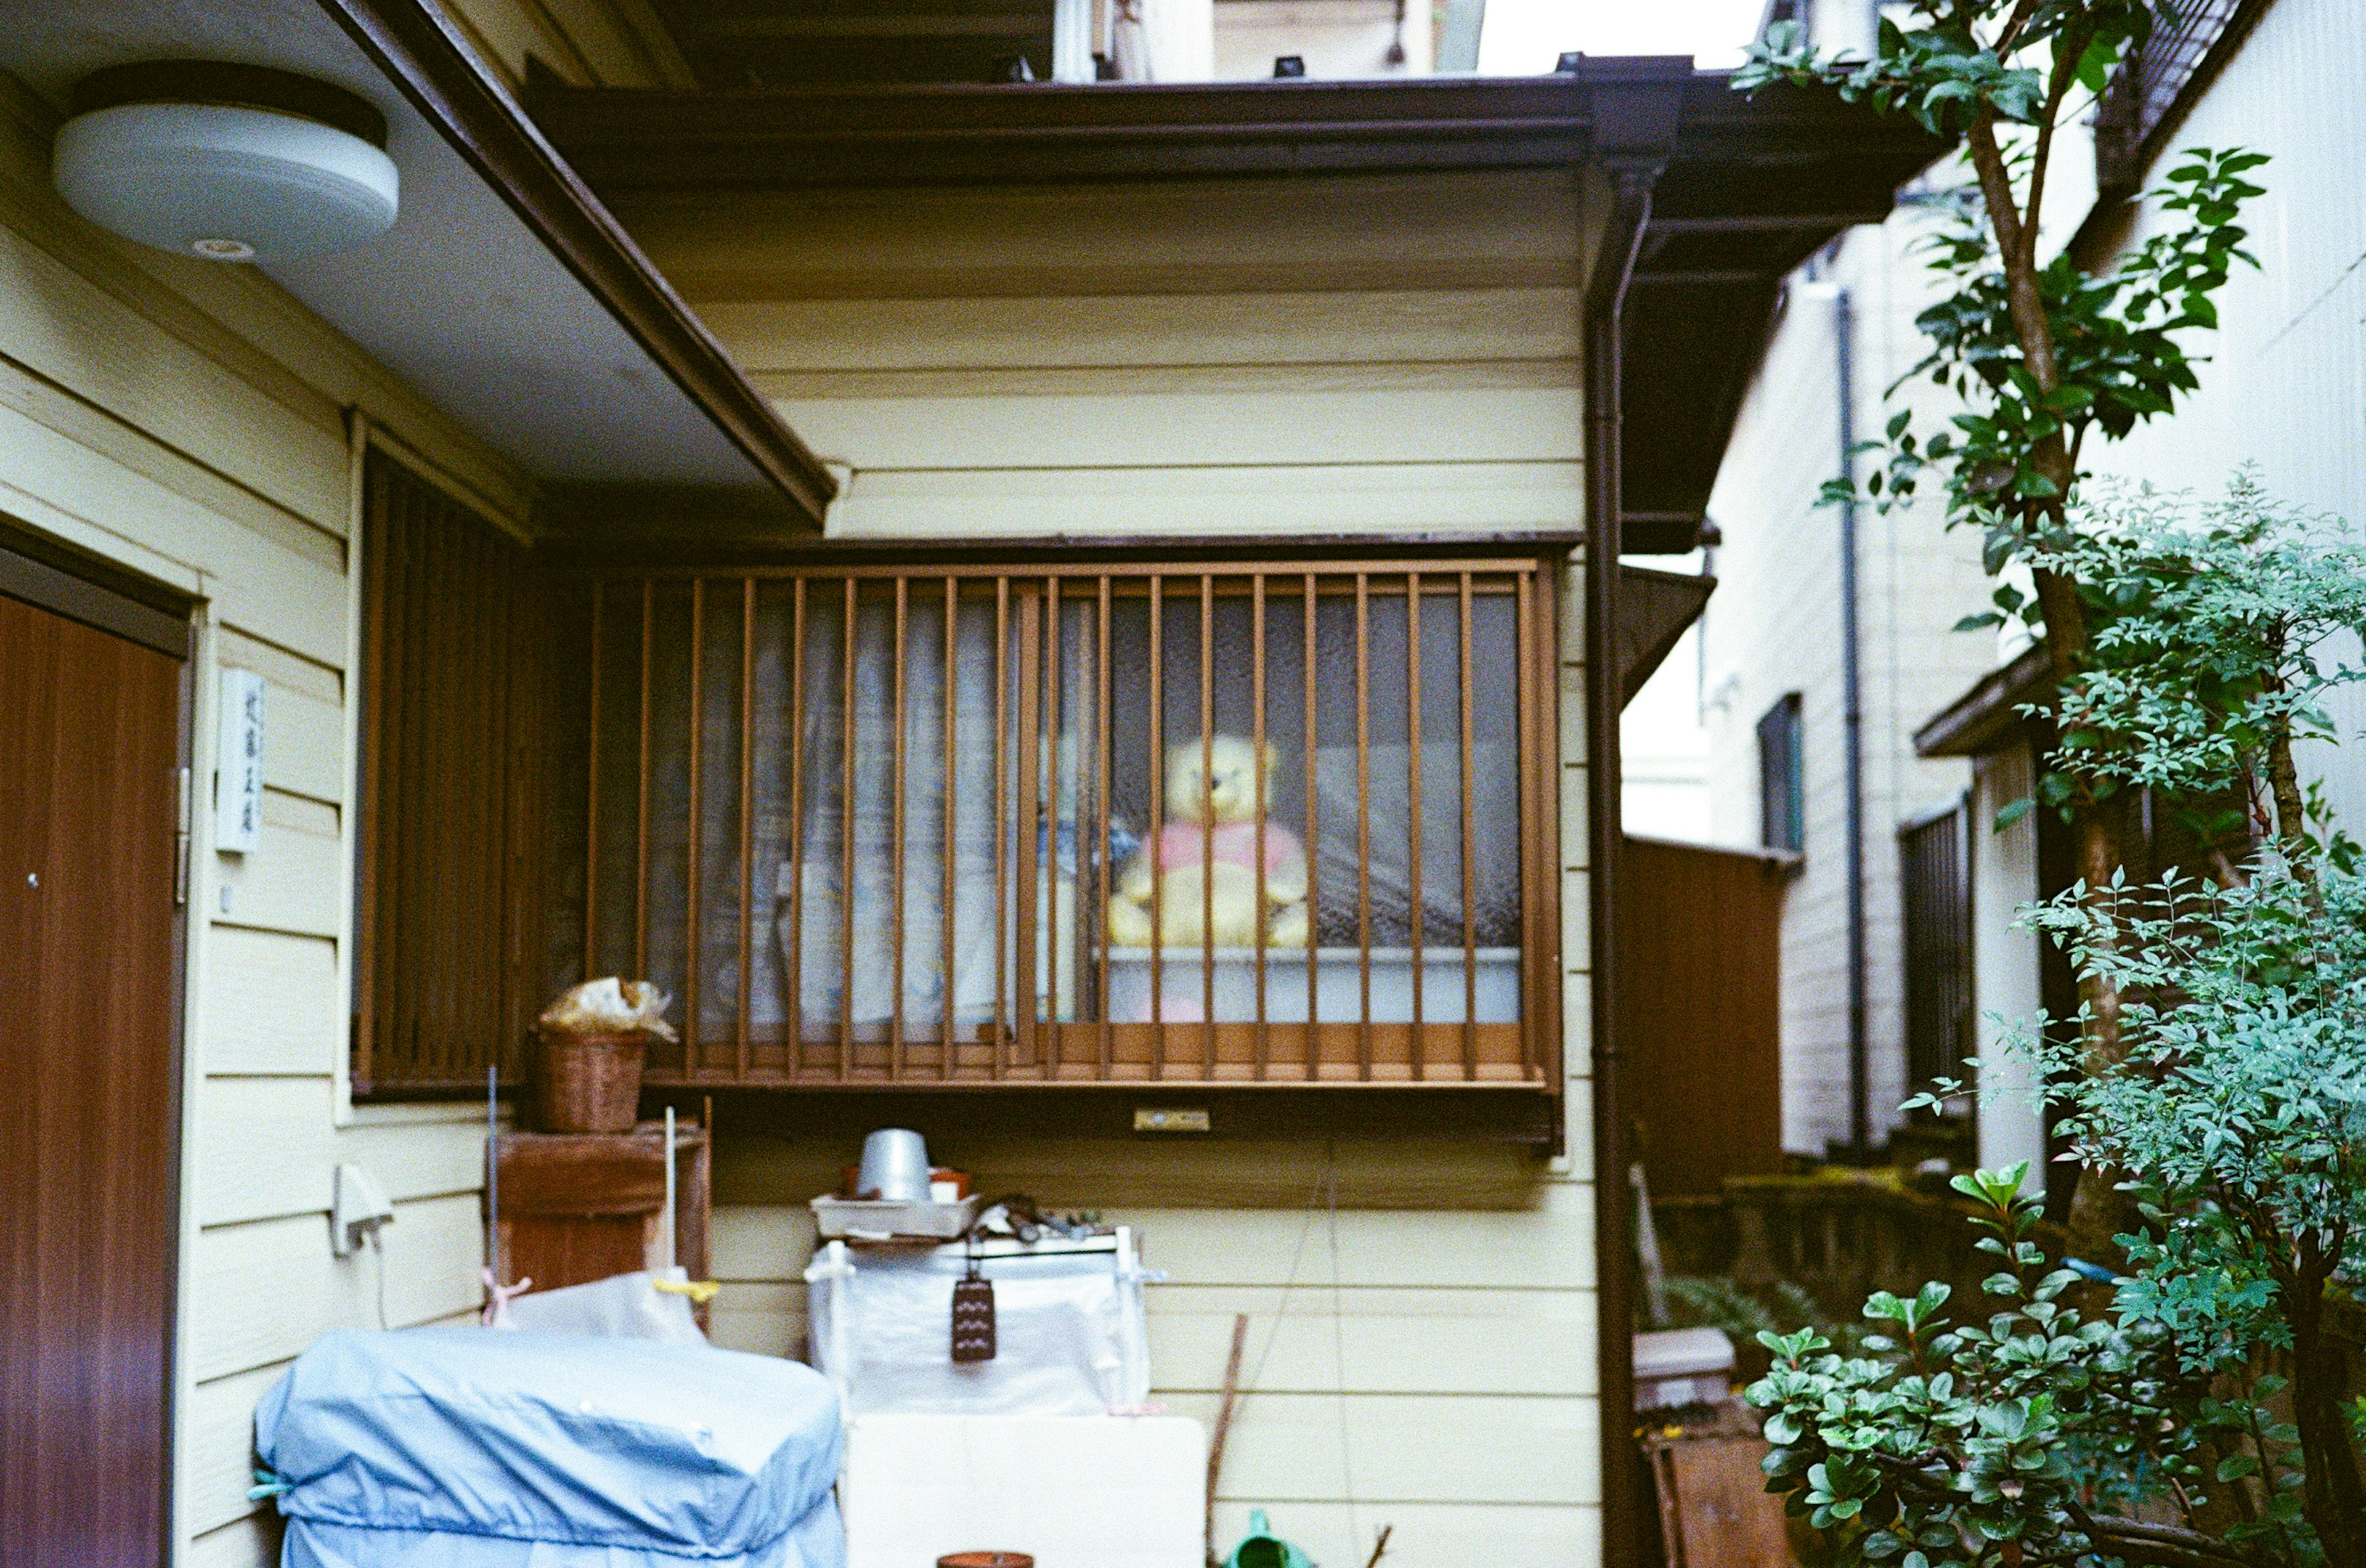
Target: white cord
[{"x": 378, "y": 1247}]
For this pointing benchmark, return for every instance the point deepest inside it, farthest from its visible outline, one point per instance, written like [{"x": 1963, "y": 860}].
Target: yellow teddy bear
[{"x": 1202, "y": 870}]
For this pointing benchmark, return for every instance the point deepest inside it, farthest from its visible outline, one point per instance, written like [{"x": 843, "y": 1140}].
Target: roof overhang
[
  {"x": 1654, "y": 610},
  {"x": 1987, "y": 717},
  {"x": 505, "y": 294},
  {"x": 1748, "y": 187}
]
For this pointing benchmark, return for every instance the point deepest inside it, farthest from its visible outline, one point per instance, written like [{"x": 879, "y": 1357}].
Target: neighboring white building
[{"x": 1774, "y": 629}]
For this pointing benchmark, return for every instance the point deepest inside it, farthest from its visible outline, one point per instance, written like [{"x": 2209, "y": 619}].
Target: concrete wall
[
  {"x": 189, "y": 422},
  {"x": 1264, "y": 360},
  {"x": 1774, "y": 626}
]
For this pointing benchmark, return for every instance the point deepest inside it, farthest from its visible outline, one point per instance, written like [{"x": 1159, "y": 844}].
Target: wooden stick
[{"x": 1224, "y": 1423}]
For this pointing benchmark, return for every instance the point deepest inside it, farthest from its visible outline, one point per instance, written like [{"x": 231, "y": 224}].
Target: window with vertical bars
[
  {"x": 1782, "y": 781},
  {"x": 448, "y": 966},
  {"x": 1935, "y": 898},
  {"x": 979, "y": 824}
]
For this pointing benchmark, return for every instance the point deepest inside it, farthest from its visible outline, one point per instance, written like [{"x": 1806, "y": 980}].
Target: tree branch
[
  {"x": 2166, "y": 1544},
  {"x": 2064, "y": 77}
]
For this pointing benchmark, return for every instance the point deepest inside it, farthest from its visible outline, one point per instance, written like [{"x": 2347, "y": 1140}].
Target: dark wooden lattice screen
[
  {"x": 2147, "y": 93},
  {"x": 447, "y": 969}
]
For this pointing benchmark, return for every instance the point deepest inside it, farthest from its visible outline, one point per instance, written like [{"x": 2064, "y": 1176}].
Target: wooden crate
[{"x": 580, "y": 1207}]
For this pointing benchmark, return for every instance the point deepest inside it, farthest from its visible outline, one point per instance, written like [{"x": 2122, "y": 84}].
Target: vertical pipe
[
  {"x": 1632, "y": 182},
  {"x": 590, "y": 794},
  {"x": 1158, "y": 824},
  {"x": 1313, "y": 848},
  {"x": 1002, "y": 957},
  {"x": 951, "y": 816},
  {"x": 1028, "y": 824},
  {"x": 846, "y": 845},
  {"x": 1853, "y": 726},
  {"x": 697, "y": 811},
  {"x": 1469, "y": 855},
  {"x": 1364, "y": 820},
  {"x": 1256, "y": 744},
  {"x": 1047, "y": 838},
  {"x": 1207, "y": 826},
  {"x": 796, "y": 1020},
  {"x": 641, "y": 853},
  {"x": 1413, "y": 808},
  {"x": 895, "y": 826},
  {"x": 1101, "y": 827},
  {"x": 747, "y": 813}
]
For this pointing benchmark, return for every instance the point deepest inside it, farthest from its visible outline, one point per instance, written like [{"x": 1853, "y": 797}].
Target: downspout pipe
[
  {"x": 1853, "y": 726},
  {"x": 1614, "y": 1246}
]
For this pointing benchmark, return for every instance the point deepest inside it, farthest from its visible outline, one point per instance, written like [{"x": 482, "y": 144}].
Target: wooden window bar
[{"x": 977, "y": 793}]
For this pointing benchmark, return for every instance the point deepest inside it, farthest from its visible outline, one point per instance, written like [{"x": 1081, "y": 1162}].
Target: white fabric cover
[{"x": 1069, "y": 1327}]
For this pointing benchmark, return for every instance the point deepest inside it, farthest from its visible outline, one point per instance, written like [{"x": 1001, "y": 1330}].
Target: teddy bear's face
[{"x": 1225, "y": 790}]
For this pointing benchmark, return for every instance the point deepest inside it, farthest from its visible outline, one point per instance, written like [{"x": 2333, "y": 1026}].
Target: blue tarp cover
[{"x": 627, "y": 1444}]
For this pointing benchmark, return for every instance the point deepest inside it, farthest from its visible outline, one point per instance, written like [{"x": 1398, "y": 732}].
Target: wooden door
[{"x": 90, "y": 751}]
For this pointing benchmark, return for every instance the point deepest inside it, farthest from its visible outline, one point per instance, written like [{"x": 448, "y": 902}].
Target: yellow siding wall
[
  {"x": 1381, "y": 354},
  {"x": 190, "y": 423}
]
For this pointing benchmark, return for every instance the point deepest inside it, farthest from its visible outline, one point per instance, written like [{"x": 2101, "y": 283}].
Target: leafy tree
[
  {"x": 2040, "y": 353},
  {"x": 2237, "y": 1109}
]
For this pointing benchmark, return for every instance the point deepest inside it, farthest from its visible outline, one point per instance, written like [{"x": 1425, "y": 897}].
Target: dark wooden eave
[
  {"x": 1749, "y": 187},
  {"x": 416, "y": 47},
  {"x": 1654, "y": 609},
  {"x": 1987, "y": 717}
]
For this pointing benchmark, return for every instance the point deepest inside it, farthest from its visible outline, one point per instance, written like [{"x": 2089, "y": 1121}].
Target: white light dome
[{"x": 225, "y": 181}]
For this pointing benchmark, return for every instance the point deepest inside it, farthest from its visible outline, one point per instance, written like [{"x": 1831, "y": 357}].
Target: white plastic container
[{"x": 1071, "y": 1492}]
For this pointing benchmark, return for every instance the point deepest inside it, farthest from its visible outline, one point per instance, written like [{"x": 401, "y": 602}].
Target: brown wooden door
[{"x": 90, "y": 749}]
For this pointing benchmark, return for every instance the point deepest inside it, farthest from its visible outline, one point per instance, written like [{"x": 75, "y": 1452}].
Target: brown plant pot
[{"x": 588, "y": 1083}]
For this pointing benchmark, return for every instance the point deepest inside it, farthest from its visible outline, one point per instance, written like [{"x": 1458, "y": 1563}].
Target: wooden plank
[
  {"x": 1386, "y": 1448},
  {"x": 1499, "y": 424},
  {"x": 273, "y": 1004},
  {"x": 1310, "y": 1339},
  {"x": 1362, "y": 328},
  {"x": 1184, "y": 1174},
  {"x": 266, "y": 1147},
  {"x": 67, "y": 330},
  {"x": 1024, "y": 501},
  {"x": 261, "y": 1293},
  {"x": 290, "y": 883},
  {"x": 1550, "y": 1246},
  {"x": 1478, "y": 229},
  {"x": 286, "y": 586},
  {"x": 298, "y": 675},
  {"x": 217, "y": 1448}
]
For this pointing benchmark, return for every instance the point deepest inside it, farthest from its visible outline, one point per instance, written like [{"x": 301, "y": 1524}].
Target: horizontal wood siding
[
  {"x": 1286, "y": 359},
  {"x": 187, "y": 422}
]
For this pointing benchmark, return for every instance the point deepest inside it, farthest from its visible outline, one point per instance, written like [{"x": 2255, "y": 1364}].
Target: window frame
[{"x": 1050, "y": 1053}]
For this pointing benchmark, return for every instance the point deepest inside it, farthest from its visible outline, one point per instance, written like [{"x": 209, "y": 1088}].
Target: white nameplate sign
[{"x": 238, "y": 778}]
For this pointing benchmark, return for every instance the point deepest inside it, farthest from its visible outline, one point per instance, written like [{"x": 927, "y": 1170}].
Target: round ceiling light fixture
[{"x": 229, "y": 163}]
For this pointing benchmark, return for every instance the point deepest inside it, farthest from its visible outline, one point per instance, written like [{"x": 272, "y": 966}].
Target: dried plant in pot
[{"x": 589, "y": 1047}]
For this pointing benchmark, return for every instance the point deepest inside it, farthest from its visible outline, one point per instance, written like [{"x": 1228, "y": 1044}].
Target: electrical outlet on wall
[{"x": 357, "y": 1207}]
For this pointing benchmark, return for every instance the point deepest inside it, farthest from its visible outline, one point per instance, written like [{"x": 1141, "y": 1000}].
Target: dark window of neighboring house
[
  {"x": 2153, "y": 86},
  {"x": 447, "y": 965},
  {"x": 1934, "y": 895},
  {"x": 1781, "y": 791}
]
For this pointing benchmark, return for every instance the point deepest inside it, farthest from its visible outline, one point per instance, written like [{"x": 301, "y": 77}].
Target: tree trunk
[{"x": 2333, "y": 1497}]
